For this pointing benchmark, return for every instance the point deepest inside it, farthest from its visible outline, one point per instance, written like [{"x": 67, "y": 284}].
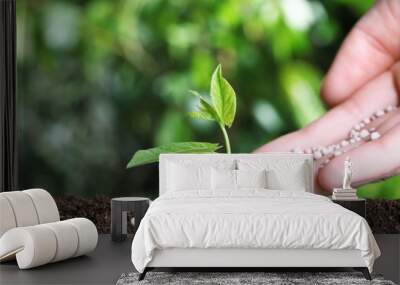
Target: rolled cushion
[
  {"x": 87, "y": 233},
  {"x": 45, "y": 205},
  {"x": 40, "y": 244},
  {"x": 67, "y": 240},
  {"x": 33, "y": 246},
  {"x": 7, "y": 218},
  {"x": 26, "y": 208},
  {"x": 23, "y": 208}
]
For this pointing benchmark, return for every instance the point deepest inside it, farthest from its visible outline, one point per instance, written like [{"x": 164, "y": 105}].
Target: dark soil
[
  {"x": 383, "y": 216},
  {"x": 97, "y": 209}
]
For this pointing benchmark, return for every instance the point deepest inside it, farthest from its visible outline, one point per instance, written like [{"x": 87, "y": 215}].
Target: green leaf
[
  {"x": 151, "y": 155},
  {"x": 223, "y": 97},
  {"x": 205, "y": 110},
  {"x": 201, "y": 116}
]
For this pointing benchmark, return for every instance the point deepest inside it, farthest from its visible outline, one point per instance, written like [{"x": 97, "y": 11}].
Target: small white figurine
[{"x": 348, "y": 173}]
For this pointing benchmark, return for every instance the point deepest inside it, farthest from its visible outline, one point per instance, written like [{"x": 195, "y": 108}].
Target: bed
[{"x": 247, "y": 210}]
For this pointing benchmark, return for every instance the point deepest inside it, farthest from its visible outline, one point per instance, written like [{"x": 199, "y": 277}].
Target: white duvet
[{"x": 250, "y": 219}]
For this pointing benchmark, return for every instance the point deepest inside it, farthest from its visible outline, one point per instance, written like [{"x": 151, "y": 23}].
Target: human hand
[{"x": 363, "y": 79}]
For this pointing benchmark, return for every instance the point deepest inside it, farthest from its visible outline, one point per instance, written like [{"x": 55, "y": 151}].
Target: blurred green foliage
[{"x": 100, "y": 79}]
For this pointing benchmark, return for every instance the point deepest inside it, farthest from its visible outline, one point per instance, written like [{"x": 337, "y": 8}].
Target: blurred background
[{"x": 100, "y": 79}]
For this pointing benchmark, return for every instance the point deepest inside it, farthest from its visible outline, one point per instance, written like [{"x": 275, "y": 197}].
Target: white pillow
[
  {"x": 293, "y": 181},
  {"x": 251, "y": 178},
  {"x": 223, "y": 179},
  {"x": 188, "y": 177},
  {"x": 226, "y": 179},
  {"x": 282, "y": 174}
]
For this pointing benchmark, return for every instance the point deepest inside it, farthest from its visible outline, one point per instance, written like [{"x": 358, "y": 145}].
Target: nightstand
[
  {"x": 357, "y": 205},
  {"x": 119, "y": 215}
]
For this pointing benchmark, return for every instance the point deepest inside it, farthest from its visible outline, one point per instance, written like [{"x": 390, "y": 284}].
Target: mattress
[{"x": 251, "y": 219}]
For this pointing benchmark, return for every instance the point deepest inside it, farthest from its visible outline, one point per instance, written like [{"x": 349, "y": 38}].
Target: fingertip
[
  {"x": 334, "y": 89},
  {"x": 330, "y": 176},
  {"x": 327, "y": 94},
  {"x": 370, "y": 49}
]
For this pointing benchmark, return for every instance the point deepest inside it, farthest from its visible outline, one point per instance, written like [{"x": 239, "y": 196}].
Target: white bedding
[{"x": 250, "y": 219}]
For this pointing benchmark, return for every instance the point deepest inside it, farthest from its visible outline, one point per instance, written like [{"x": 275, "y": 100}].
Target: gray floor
[
  {"x": 389, "y": 262},
  {"x": 110, "y": 260}
]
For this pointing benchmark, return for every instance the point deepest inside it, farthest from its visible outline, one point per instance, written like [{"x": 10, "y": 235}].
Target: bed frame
[{"x": 246, "y": 258}]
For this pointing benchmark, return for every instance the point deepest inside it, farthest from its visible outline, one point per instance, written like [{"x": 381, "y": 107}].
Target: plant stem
[{"x": 226, "y": 137}]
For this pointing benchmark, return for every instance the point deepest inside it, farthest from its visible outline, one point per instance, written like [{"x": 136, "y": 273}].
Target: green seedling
[{"x": 220, "y": 109}]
